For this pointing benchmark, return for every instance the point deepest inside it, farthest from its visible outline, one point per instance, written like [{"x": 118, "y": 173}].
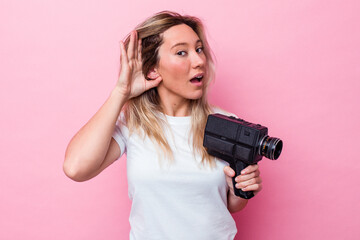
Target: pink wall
[{"x": 290, "y": 65}]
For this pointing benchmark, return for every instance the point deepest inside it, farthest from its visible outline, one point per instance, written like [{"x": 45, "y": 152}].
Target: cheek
[{"x": 175, "y": 68}]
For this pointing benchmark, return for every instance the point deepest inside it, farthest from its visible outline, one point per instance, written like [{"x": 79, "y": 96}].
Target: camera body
[{"x": 240, "y": 143}]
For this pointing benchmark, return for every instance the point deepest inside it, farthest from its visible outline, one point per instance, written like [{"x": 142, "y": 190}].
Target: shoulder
[
  {"x": 121, "y": 120},
  {"x": 216, "y": 109}
]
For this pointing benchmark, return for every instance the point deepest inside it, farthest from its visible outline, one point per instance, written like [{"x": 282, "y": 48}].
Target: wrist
[
  {"x": 119, "y": 94},
  {"x": 236, "y": 203}
]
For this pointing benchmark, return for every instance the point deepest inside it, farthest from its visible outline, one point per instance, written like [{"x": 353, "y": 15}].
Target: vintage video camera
[{"x": 240, "y": 143}]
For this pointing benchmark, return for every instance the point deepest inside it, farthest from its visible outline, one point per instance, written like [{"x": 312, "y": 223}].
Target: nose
[{"x": 198, "y": 60}]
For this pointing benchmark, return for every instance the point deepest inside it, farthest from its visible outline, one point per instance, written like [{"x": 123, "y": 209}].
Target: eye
[
  {"x": 181, "y": 53},
  {"x": 200, "y": 49}
]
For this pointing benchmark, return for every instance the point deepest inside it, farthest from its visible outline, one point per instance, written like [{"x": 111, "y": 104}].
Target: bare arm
[
  {"x": 235, "y": 203},
  {"x": 92, "y": 148}
]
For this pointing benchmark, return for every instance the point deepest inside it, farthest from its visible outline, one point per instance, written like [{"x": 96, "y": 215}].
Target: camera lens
[{"x": 271, "y": 147}]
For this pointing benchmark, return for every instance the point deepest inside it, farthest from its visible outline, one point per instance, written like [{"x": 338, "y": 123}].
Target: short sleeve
[
  {"x": 119, "y": 135},
  {"x": 217, "y": 109}
]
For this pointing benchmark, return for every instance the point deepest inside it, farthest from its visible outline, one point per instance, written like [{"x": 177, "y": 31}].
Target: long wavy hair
[{"x": 142, "y": 112}]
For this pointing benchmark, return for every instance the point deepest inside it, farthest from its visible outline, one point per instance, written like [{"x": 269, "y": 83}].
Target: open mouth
[{"x": 197, "y": 79}]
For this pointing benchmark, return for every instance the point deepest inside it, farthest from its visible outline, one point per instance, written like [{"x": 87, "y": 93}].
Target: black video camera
[{"x": 240, "y": 143}]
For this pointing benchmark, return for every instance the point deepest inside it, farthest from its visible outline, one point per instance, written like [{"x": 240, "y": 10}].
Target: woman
[{"x": 177, "y": 190}]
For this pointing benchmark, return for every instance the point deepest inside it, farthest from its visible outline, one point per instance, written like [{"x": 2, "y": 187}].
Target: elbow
[
  {"x": 237, "y": 209},
  {"x": 236, "y": 204},
  {"x": 71, "y": 171}
]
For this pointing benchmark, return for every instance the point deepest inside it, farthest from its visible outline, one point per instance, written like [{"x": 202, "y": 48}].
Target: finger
[
  {"x": 250, "y": 168},
  {"x": 120, "y": 51},
  {"x": 152, "y": 83},
  {"x": 130, "y": 50},
  {"x": 124, "y": 64},
  {"x": 139, "y": 50},
  {"x": 249, "y": 182},
  {"x": 123, "y": 56},
  {"x": 260, "y": 187},
  {"x": 255, "y": 188},
  {"x": 229, "y": 171},
  {"x": 244, "y": 177},
  {"x": 136, "y": 45}
]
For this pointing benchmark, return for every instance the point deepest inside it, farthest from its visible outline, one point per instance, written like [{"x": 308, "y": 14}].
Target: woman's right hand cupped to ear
[{"x": 132, "y": 82}]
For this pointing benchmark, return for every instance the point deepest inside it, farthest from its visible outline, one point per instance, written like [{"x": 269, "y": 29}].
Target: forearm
[
  {"x": 87, "y": 149},
  {"x": 235, "y": 203}
]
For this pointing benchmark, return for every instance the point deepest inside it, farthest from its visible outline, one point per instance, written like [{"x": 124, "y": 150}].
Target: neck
[{"x": 175, "y": 106}]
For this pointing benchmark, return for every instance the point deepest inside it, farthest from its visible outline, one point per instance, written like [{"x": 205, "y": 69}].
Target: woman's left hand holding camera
[{"x": 249, "y": 180}]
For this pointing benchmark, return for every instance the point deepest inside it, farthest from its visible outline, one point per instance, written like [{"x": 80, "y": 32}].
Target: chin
[{"x": 196, "y": 95}]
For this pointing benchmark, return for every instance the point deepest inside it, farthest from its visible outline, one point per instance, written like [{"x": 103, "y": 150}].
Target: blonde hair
[{"x": 141, "y": 113}]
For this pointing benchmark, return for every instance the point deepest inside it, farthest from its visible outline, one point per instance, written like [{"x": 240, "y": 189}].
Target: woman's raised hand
[{"x": 132, "y": 82}]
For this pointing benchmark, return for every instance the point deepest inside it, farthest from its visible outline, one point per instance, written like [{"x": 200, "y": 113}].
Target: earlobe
[{"x": 152, "y": 75}]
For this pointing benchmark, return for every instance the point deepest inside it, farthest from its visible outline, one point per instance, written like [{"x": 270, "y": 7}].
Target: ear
[{"x": 153, "y": 74}]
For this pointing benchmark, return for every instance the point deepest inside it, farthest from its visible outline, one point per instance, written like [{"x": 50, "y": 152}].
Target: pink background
[{"x": 292, "y": 66}]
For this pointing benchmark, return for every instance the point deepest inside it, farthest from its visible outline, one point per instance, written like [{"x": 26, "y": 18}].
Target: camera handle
[{"x": 238, "y": 166}]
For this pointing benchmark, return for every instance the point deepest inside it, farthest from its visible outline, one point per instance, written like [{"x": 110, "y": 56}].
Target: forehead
[{"x": 179, "y": 33}]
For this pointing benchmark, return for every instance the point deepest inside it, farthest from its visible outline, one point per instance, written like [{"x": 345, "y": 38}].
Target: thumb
[{"x": 229, "y": 171}]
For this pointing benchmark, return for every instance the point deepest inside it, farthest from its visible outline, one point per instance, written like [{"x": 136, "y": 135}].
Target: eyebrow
[{"x": 184, "y": 43}]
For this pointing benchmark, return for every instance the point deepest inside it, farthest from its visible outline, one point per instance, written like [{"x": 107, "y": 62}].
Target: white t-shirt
[{"x": 182, "y": 200}]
